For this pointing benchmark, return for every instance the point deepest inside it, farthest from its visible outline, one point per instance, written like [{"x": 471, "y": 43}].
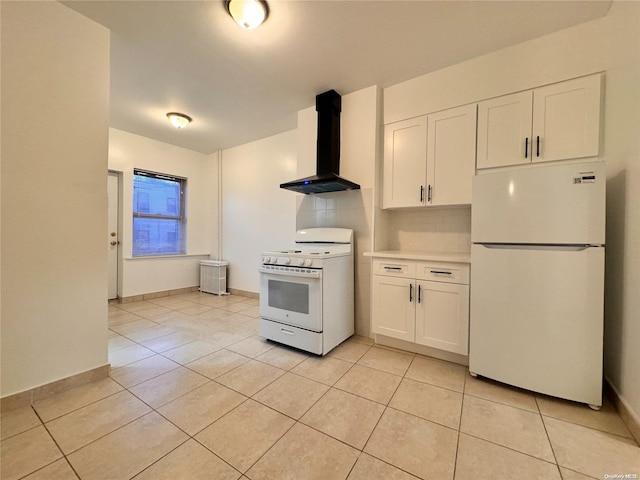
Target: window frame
[{"x": 180, "y": 216}]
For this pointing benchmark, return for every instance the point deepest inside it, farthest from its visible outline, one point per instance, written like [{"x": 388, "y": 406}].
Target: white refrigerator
[{"x": 537, "y": 279}]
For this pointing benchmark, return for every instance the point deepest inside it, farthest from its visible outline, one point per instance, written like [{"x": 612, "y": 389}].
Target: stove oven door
[{"x": 292, "y": 296}]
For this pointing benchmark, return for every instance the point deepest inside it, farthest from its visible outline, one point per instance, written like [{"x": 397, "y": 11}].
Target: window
[{"x": 158, "y": 214}]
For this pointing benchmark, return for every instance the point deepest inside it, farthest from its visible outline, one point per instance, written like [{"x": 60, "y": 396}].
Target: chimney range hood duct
[{"x": 326, "y": 179}]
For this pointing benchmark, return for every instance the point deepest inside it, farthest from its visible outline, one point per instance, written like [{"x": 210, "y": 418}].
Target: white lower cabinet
[
  {"x": 422, "y": 302},
  {"x": 394, "y": 313},
  {"x": 442, "y": 316}
]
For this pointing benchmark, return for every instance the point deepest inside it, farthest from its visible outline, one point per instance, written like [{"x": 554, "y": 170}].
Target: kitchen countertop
[{"x": 422, "y": 256}]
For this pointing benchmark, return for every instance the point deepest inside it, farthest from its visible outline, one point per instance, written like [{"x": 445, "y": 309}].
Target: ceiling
[{"x": 240, "y": 86}]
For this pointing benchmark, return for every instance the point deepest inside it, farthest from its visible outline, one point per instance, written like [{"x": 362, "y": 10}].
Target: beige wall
[
  {"x": 559, "y": 56},
  {"x": 257, "y": 215},
  {"x": 359, "y": 153},
  {"x": 148, "y": 275},
  {"x": 55, "y": 107},
  {"x": 622, "y": 153}
]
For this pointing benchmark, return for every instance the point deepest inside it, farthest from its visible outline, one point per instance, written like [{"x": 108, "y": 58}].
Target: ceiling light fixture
[
  {"x": 179, "y": 120},
  {"x": 249, "y": 14}
]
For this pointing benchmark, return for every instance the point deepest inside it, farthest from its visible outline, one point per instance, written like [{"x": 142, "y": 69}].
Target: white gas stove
[{"x": 307, "y": 292}]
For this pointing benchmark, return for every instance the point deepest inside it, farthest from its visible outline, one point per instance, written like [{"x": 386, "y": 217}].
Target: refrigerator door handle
[{"x": 534, "y": 246}]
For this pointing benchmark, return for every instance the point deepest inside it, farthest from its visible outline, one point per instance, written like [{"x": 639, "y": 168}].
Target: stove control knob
[
  {"x": 307, "y": 262},
  {"x": 300, "y": 262},
  {"x": 265, "y": 259},
  {"x": 273, "y": 260},
  {"x": 286, "y": 261}
]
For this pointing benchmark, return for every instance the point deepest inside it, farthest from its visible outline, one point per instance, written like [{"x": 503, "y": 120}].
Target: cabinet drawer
[
  {"x": 443, "y": 272},
  {"x": 394, "y": 268},
  {"x": 292, "y": 336}
]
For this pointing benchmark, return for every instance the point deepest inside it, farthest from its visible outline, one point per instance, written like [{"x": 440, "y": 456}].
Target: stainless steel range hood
[{"x": 326, "y": 179}]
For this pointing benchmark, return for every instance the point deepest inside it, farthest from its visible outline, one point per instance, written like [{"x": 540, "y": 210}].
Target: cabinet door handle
[
  {"x": 538, "y": 146},
  {"x": 393, "y": 268},
  {"x": 411, "y": 292},
  {"x": 421, "y": 193},
  {"x": 419, "y": 293},
  {"x": 429, "y": 193},
  {"x": 441, "y": 272},
  {"x": 526, "y": 147}
]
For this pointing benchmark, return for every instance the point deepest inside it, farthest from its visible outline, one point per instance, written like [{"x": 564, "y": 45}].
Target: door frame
[{"x": 118, "y": 176}]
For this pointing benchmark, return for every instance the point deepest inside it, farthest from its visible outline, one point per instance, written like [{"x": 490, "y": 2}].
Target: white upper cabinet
[
  {"x": 405, "y": 165},
  {"x": 504, "y": 130},
  {"x": 566, "y": 120},
  {"x": 556, "y": 122},
  {"x": 430, "y": 160},
  {"x": 451, "y": 151}
]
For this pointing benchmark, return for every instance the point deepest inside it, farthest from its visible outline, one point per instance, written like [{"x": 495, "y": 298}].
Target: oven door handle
[{"x": 290, "y": 273}]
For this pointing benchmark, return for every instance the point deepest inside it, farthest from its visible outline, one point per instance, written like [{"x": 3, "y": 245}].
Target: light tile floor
[{"x": 195, "y": 394}]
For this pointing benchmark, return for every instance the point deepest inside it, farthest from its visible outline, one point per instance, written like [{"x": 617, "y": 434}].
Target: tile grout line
[
  {"x": 500, "y": 403},
  {"x": 298, "y": 421},
  {"x": 387, "y": 404},
  {"x": 543, "y": 415},
  {"x": 209, "y": 381},
  {"x": 553, "y": 451},
  {"x": 193, "y": 437},
  {"x": 161, "y": 457},
  {"x": 153, "y": 410},
  {"x": 383, "y": 412},
  {"x": 242, "y": 473},
  {"x": 509, "y": 448},
  {"x": 386, "y": 407},
  {"x": 330, "y": 386},
  {"x": 464, "y": 387},
  {"x": 64, "y": 455},
  {"x": 81, "y": 407}
]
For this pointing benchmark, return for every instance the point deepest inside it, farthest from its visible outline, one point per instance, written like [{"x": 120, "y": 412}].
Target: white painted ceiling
[{"x": 239, "y": 86}]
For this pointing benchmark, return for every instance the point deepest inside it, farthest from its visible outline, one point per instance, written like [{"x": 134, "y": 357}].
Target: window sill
[{"x": 177, "y": 255}]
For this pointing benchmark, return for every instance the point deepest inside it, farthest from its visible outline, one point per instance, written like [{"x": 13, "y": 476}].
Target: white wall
[
  {"x": 610, "y": 44},
  {"x": 559, "y": 56},
  {"x": 157, "y": 274},
  {"x": 55, "y": 91},
  {"x": 257, "y": 215},
  {"x": 359, "y": 126},
  {"x": 359, "y": 150},
  {"x": 622, "y": 153}
]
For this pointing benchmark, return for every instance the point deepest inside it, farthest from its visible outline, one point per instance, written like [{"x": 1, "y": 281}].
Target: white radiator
[{"x": 213, "y": 277}]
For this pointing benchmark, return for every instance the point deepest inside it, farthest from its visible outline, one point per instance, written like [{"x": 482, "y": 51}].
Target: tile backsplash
[
  {"x": 422, "y": 230},
  {"x": 446, "y": 230},
  {"x": 351, "y": 209}
]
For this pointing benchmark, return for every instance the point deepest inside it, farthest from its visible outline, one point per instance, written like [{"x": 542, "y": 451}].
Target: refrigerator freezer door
[
  {"x": 536, "y": 319},
  {"x": 558, "y": 204}
]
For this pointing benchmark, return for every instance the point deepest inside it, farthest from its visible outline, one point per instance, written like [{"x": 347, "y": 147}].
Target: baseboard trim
[
  {"x": 28, "y": 397},
  {"x": 628, "y": 416},
  {"x": 421, "y": 349},
  {"x": 152, "y": 295},
  {"x": 244, "y": 293},
  {"x": 179, "y": 291}
]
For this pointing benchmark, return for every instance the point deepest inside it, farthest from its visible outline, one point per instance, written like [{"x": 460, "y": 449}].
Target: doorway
[{"x": 113, "y": 235}]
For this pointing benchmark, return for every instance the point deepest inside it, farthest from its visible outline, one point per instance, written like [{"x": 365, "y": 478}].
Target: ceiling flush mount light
[
  {"x": 249, "y": 14},
  {"x": 179, "y": 120}
]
